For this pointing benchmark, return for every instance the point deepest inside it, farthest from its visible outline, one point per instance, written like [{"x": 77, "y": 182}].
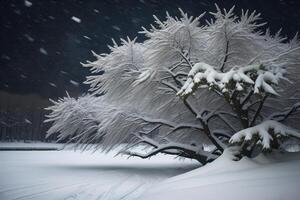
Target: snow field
[{"x": 82, "y": 175}]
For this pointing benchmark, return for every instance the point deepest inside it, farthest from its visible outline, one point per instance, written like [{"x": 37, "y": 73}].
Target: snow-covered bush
[{"x": 189, "y": 89}]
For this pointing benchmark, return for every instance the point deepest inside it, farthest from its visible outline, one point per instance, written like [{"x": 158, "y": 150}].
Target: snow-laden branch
[
  {"x": 172, "y": 148},
  {"x": 85, "y": 121},
  {"x": 266, "y": 132},
  {"x": 237, "y": 79}
]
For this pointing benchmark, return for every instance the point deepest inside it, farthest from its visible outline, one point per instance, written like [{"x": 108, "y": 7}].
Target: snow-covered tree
[{"x": 189, "y": 89}]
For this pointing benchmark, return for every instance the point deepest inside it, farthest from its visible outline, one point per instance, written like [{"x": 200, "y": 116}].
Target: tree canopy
[{"x": 190, "y": 89}]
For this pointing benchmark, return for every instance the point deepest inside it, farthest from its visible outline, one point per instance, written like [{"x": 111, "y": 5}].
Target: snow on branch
[
  {"x": 90, "y": 119},
  {"x": 173, "y": 148},
  {"x": 74, "y": 119},
  {"x": 171, "y": 41},
  {"x": 236, "y": 79},
  {"x": 121, "y": 66},
  {"x": 266, "y": 132}
]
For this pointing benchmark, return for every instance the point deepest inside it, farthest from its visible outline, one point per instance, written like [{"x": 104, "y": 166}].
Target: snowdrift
[{"x": 267, "y": 177}]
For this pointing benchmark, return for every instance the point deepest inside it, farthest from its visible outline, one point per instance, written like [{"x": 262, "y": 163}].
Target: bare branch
[
  {"x": 281, "y": 116},
  {"x": 198, "y": 154},
  {"x": 258, "y": 110}
]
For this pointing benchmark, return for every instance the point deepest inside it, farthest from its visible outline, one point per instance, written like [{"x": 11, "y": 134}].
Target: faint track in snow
[
  {"x": 68, "y": 175},
  {"x": 21, "y": 188},
  {"x": 33, "y": 195},
  {"x": 128, "y": 188},
  {"x": 41, "y": 186},
  {"x": 42, "y": 189}
]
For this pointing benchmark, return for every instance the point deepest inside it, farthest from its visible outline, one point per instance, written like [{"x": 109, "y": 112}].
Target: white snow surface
[
  {"x": 69, "y": 174},
  {"x": 272, "y": 177},
  {"x": 32, "y": 145},
  {"x": 84, "y": 175}
]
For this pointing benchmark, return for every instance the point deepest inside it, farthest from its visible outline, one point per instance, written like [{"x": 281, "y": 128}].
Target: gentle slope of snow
[{"x": 263, "y": 178}]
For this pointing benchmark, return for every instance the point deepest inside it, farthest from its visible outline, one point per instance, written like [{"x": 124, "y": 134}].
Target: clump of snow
[
  {"x": 263, "y": 132},
  {"x": 76, "y": 19},
  {"x": 203, "y": 74}
]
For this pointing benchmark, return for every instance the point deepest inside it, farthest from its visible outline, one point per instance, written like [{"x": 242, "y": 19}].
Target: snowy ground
[
  {"x": 70, "y": 175},
  {"x": 30, "y": 146},
  {"x": 276, "y": 177},
  {"x": 81, "y": 175}
]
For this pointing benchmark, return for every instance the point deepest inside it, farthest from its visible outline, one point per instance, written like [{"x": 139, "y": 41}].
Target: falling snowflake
[
  {"x": 52, "y": 84},
  {"x": 76, "y": 19},
  {"x": 29, "y": 38},
  {"x": 87, "y": 37},
  {"x": 74, "y": 83},
  {"x": 116, "y": 28},
  {"x": 28, "y": 121},
  {"x": 23, "y": 76},
  {"x": 5, "y": 57},
  {"x": 63, "y": 72},
  {"x": 43, "y": 51},
  {"x": 27, "y": 3}
]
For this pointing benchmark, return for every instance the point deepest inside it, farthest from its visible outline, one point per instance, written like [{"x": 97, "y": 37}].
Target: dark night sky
[{"x": 41, "y": 47}]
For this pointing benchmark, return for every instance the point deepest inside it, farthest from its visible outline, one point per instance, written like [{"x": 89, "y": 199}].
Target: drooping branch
[
  {"x": 187, "y": 151},
  {"x": 168, "y": 149}
]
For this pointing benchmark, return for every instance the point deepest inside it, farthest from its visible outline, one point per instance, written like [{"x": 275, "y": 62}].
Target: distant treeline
[{"x": 22, "y": 116}]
